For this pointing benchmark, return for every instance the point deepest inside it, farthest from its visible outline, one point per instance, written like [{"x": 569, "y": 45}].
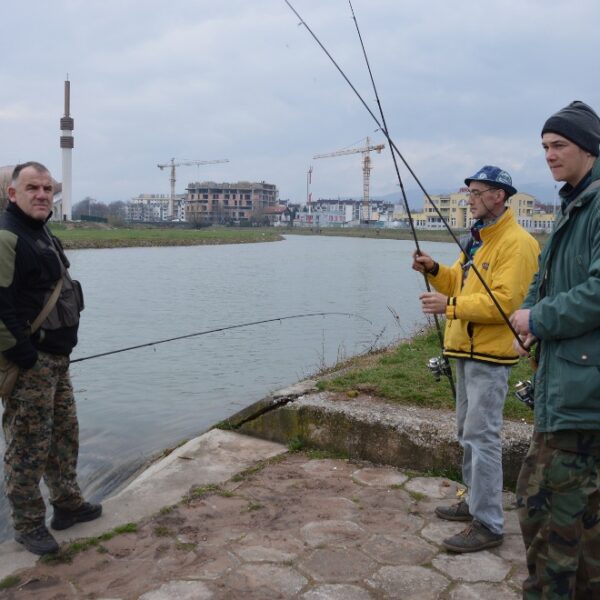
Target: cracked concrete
[{"x": 287, "y": 526}]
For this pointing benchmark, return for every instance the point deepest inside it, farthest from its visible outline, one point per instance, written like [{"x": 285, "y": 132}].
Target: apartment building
[
  {"x": 343, "y": 213},
  {"x": 152, "y": 208},
  {"x": 454, "y": 208},
  {"x": 238, "y": 203}
]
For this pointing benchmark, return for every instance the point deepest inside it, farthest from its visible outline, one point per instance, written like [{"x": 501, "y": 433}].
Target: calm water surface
[{"x": 135, "y": 404}]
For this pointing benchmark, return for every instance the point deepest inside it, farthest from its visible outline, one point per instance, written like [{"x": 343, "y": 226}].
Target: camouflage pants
[
  {"x": 558, "y": 500},
  {"x": 42, "y": 440}
]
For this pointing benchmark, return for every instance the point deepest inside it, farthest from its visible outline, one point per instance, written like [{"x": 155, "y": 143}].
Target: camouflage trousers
[
  {"x": 42, "y": 440},
  {"x": 558, "y": 501}
]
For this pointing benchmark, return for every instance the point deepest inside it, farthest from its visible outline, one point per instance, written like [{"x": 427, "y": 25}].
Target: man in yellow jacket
[{"x": 477, "y": 336}]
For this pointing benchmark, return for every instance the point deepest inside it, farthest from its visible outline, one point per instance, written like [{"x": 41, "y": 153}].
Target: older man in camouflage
[
  {"x": 558, "y": 491},
  {"x": 39, "y": 419}
]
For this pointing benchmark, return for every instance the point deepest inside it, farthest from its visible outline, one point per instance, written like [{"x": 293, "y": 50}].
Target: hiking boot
[
  {"x": 38, "y": 541},
  {"x": 474, "y": 538},
  {"x": 64, "y": 518},
  {"x": 456, "y": 512}
]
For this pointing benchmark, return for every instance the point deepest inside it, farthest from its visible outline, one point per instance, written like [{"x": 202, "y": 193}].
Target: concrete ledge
[
  {"x": 371, "y": 429},
  {"x": 213, "y": 457}
]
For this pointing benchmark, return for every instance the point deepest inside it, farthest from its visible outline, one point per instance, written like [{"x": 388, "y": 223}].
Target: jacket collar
[
  {"x": 582, "y": 197},
  {"x": 14, "y": 210},
  {"x": 498, "y": 226}
]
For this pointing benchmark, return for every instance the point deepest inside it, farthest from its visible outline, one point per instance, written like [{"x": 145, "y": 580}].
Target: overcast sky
[{"x": 462, "y": 84}]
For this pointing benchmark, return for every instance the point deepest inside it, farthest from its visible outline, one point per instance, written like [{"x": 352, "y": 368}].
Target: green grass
[
  {"x": 389, "y": 234},
  {"x": 401, "y": 375},
  {"x": 102, "y": 237},
  {"x": 88, "y": 235},
  {"x": 162, "y": 531},
  {"x": 67, "y": 553},
  {"x": 297, "y": 444},
  {"x": 417, "y": 496},
  {"x": 200, "y": 491},
  {"x": 9, "y": 581}
]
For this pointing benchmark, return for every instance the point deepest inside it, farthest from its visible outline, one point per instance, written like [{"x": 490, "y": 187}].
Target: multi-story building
[
  {"x": 152, "y": 208},
  {"x": 243, "y": 202},
  {"x": 540, "y": 222},
  {"x": 343, "y": 213},
  {"x": 454, "y": 208}
]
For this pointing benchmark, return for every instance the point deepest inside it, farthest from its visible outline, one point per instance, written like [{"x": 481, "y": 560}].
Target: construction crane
[
  {"x": 184, "y": 163},
  {"x": 364, "y": 150}
]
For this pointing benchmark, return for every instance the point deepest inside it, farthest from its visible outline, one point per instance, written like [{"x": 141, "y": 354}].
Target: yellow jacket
[{"x": 507, "y": 261}]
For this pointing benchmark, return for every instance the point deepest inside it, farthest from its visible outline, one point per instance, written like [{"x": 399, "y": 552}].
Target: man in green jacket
[{"x": 558, "y": 495}]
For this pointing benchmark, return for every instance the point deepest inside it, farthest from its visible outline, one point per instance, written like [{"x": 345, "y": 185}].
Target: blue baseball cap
[{"x": 494, "y": 176}]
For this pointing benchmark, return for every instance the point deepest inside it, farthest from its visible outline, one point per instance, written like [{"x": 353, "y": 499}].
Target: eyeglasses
[{"x": 479, "y": 193}]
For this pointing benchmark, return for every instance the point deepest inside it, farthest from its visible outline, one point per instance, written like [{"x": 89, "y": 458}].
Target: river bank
[{"x": 78, "y": 235}]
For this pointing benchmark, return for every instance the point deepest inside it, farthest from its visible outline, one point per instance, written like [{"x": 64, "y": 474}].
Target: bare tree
[{"x": 4, "y": 183}]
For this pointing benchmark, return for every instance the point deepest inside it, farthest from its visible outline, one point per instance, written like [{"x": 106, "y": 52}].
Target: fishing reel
[
  {"x": 438, "y": 366},
  {"x": 524, "y": 392}
]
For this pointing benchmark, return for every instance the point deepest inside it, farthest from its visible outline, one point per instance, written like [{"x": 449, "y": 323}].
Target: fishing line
[
  {"x": 448, "y": 370},
  {"x": 412, "y": 173},
  {"x": 190, "y": 335}
]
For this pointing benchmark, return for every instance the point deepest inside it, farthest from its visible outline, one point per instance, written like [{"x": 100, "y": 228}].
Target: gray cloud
[{"x": 462, "y": 83}]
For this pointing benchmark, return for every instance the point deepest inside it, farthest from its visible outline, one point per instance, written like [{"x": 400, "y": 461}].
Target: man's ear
[{"x": 11, "y": 191}]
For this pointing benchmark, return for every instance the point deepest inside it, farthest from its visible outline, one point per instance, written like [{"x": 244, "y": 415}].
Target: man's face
[
  {"x": 567, "y": 161},
  {"x": 33, "y": 193},
  {"x": 485, "y": 202}
]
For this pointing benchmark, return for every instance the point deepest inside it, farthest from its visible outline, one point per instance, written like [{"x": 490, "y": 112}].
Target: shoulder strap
[{"x": 48, "y": 306}]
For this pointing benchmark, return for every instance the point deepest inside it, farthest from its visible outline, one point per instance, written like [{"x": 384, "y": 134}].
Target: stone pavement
[{"x": 292, "y": 526}]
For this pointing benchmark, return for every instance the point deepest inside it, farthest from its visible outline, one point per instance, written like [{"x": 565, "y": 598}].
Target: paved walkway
[{"x": 287, "y": 526}]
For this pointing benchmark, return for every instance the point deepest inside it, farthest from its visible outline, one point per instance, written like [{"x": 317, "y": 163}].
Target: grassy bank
[
  {"x": 88, "y": 235},
  {"x": 400, "y": 374},
  {"x": 423, "y": 235},
  {"x": 384, "y": 234},
  {"x": 119, "y": 237}
]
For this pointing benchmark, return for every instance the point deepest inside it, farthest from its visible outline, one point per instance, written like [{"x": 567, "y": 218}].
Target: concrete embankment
[
  {"x": 228, "y": 515},
  {"x": 369, "y": 428}
]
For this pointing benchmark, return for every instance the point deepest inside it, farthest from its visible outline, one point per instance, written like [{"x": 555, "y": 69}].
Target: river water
[{"x": 134, "y": 404}]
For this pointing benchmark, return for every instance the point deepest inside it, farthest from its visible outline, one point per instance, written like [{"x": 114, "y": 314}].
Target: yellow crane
[
  {"x": 184, "y": 163},
  {"x": 366, "y": 161}
]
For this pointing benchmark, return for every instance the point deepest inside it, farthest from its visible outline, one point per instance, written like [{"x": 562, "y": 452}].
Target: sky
[{"x": 461, "y": 84}]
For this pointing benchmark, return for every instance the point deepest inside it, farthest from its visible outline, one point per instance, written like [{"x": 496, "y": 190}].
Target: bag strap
[{"x": 48, "y": 306}]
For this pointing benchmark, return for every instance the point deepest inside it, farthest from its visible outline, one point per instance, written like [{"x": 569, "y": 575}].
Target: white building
[{"x": 153, "y": 208}]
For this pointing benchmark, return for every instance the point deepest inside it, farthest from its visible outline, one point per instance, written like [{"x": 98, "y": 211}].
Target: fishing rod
[
  {"x": 190, "y": 335},
  {"x": 413, "y": 174},
  {"x": 445, "y": 369}
]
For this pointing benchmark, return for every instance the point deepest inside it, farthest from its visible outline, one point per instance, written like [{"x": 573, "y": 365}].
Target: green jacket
[{"x": 564, "y": 299}]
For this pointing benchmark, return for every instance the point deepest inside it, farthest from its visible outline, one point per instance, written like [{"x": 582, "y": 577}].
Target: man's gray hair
[{"x": 36, "y": 165}]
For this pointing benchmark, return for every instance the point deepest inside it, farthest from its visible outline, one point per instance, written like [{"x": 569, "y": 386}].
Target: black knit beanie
[{"x": 579, "y": 123}]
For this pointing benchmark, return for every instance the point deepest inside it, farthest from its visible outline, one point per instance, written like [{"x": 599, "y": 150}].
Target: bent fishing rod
[
  {"x": 413, "y": 174},
  {"x": 199, "y": 333},
  {"x": 447, "y": 370}
]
